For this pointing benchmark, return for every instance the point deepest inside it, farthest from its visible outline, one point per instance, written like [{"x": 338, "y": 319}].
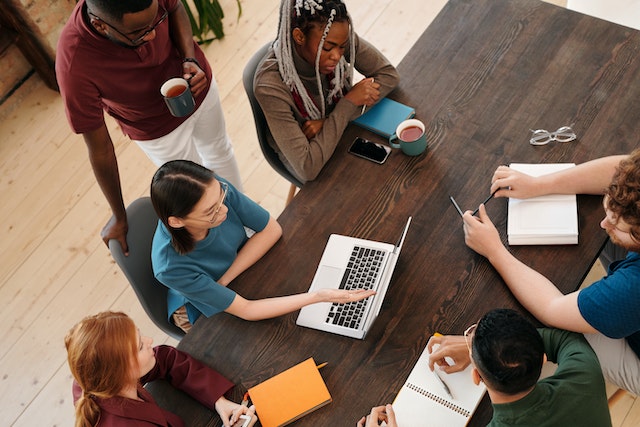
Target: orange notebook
[{"x": 284, "y": 398}]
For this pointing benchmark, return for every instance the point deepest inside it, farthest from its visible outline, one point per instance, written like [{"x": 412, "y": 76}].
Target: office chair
[
  {"x": 137, "y": 269},
  {"x": 262, "y": 128}
]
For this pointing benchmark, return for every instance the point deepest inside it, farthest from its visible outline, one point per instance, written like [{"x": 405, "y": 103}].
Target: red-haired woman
[{"x": 110, "y": 361}]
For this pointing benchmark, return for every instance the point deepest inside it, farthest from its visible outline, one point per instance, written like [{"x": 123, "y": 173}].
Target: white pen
[
  {"x": 364, "y": 106},
  {"x": 444, "y": 385}
]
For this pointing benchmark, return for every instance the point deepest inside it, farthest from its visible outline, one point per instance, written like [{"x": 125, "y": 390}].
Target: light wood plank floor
[{"x": 56, "y": 270}]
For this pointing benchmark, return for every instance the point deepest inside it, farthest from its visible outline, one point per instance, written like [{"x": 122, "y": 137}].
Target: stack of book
[{"x": 544, "y": 220}]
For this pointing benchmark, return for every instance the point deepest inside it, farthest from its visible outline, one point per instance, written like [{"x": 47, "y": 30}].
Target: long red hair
[{"x": 102, "y": 355}]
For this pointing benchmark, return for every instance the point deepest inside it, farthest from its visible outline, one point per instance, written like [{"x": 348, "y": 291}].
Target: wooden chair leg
[{"x": 292, "y": 192}]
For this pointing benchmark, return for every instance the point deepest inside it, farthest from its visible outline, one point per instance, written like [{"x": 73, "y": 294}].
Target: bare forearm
[
  {"x": 533, "y": 290},
  {"x": 268, "y": 308},
  {"x": 591, "y": 177},
  {"x": 181, "y": 33},
  {"x": 105, "y": 168},
  {"x": 258, "y": 245}
]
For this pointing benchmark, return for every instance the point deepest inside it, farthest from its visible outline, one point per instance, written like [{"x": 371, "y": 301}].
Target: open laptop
[{"x": 351, "y": 263}]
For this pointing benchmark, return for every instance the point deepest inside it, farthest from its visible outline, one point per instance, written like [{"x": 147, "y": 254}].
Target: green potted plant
[{"x": 207, "y": 18}]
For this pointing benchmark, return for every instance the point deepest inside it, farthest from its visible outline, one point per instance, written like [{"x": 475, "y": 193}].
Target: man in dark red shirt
[{"x": 113, "y": 56}]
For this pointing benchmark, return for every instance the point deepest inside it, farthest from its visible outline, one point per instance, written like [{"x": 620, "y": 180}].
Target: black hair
[
  {"x": 508, "y": 351},
  {"x": 115, "y": 9},
  {"x": 176, "y": 187}
]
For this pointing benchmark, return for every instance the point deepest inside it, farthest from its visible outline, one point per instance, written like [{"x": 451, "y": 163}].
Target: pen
[
  {"x": 485, "y": 201},
  {"x": 456, "y": 205},
  {"x": 243, "y": 420},
  {"x": 435, "y": 371},
  {"x": 322, "y": 365},
  {"x": 364, "y": 106}
]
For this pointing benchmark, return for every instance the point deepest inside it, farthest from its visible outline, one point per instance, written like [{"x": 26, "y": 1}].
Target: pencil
[
  {"x": 435, "y": 369},
  {"x": 364, "y": 106},
  {"x": 485, "y": 201},
  {"x": 456, "y": 205}
]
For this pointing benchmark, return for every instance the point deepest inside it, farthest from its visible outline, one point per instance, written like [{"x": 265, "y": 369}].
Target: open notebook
[
  {"x": 423, "y": 401},
  {"x": 545, "y": 220}
]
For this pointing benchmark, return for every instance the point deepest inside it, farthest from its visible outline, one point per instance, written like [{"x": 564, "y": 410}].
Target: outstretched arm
[
  {"x": 268, "y": 308},
  {"x": 534, "y": 291},
  {"x": 592, "y": 177}
]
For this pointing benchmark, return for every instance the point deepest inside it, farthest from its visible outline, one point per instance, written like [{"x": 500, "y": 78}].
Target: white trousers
[
  {"x": 620, "y": 365},
  {"x": 202, "y": 138}
]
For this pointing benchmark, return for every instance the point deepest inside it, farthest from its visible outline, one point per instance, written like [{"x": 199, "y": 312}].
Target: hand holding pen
[
  {"x": 452, "y": 347},
  {"x": 246, "y": 415},
  {"x": 476, "y": 210},
  {"x": 365, "y": 93}
]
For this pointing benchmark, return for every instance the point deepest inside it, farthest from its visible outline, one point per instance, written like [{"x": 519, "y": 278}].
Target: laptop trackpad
[{"x": 328, "y": 277}]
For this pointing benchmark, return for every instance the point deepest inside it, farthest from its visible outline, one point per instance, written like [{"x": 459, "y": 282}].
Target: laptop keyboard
[{"x": 363, "y": 268}]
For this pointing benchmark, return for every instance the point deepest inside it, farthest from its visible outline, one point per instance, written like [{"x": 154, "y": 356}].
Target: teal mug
[
  {"x": 178, "y": 97},
  {"x": 410, "y": 137}
]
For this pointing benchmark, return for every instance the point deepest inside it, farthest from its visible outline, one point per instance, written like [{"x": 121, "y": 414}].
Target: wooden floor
[{"x": 55, "y": 268}]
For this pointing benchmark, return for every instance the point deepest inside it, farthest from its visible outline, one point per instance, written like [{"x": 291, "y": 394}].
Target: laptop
[{"x": 351, "y": 263}]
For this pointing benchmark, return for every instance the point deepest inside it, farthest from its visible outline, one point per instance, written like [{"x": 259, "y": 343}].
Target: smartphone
[{"x": 369, "y": 150}]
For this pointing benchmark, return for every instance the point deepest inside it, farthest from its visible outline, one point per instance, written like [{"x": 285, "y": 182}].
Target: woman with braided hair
[
  {"x": 304, "y": 84},
  {"x": 110, "y": 361}
]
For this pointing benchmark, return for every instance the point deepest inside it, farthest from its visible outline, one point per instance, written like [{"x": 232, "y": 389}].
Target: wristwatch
[{"x": 194, "y": 60}]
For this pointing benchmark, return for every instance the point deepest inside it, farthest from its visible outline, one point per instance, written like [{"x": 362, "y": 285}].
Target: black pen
[
  {"x": 485, "y": 201},
  {"x": 456, "y": 205}
]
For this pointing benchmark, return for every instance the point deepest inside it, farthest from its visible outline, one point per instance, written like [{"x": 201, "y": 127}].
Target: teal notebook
[{"x": 384, "y": 117}]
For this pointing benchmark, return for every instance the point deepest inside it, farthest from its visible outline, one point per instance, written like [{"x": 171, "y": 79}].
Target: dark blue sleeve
[{"x": 611, "y": 305}]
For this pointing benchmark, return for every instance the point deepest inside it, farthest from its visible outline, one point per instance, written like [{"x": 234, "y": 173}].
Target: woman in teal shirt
[{"x": 201, "y": 245}]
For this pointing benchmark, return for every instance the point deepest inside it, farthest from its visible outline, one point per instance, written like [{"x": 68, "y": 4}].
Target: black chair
[
  {"x": 137, "y": 269},
  {"x": 261, "y": 122}
]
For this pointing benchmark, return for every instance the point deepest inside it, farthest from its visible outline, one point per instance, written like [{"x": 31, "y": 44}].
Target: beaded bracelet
[{"x": 194, "y": 60}]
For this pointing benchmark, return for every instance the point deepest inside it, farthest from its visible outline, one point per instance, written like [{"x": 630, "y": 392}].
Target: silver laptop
[{"x": 352, "y": 263}]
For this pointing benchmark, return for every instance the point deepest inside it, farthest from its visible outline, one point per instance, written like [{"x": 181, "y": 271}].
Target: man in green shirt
[{"x": 507, "y": 353}]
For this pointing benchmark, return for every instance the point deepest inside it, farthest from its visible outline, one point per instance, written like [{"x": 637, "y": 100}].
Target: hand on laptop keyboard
[{"x": 343, "y": 296}]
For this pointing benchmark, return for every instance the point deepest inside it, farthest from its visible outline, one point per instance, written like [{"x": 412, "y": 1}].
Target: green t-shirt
[{"x": 574, "y": 395}]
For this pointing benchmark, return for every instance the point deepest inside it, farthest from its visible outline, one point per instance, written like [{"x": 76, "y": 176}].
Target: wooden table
[{"x": 482, "y": 75}]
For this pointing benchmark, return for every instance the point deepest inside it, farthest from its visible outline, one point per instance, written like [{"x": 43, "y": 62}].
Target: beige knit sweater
[{"x": 306, "y": 158}]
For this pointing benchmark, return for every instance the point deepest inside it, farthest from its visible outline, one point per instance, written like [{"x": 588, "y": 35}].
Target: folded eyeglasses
[{"x": 542, "y": 136}]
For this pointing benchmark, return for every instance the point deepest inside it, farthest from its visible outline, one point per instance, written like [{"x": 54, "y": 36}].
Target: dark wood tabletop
[{"x": 481, "y": 76}]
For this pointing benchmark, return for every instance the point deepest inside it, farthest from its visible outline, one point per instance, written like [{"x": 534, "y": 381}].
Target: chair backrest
[
  {"x": 261, "y": 122},
  {"x": 137, "y": 269}
]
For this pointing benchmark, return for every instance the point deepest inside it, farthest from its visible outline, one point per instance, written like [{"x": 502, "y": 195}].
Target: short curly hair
[{"x": 624, "y": 193}]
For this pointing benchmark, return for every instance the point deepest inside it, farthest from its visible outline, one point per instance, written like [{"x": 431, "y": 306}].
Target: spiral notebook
[{"x": 424, "y": 402}]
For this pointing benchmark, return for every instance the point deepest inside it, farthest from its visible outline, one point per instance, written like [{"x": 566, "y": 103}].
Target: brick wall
[{"x": 49, "y": 16}]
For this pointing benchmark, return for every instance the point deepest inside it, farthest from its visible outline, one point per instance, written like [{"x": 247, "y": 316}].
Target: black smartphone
[{"x": 370, "y": 150}]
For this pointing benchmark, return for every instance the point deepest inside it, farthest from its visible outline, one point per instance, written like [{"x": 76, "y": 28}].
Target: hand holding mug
[{"x": 178, "y": 97}]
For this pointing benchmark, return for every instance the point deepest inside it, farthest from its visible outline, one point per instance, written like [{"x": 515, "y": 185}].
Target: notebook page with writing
[
  {"x": 546, "y": 220},
  {"x": 423, "y": 402}
]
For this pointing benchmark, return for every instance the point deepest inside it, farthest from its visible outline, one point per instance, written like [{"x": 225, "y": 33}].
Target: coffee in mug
[
  {"x": 178, "y": 97},
  {"x": 410, "y": 137}
]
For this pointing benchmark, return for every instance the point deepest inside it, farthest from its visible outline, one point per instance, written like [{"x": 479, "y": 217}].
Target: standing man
[
  {"x": 608, "y": 311},
  {"x": 113, "y": 56}
]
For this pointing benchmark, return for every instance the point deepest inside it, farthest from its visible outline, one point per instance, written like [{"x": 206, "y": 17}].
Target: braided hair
[{"x": 304, "y": 14}]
